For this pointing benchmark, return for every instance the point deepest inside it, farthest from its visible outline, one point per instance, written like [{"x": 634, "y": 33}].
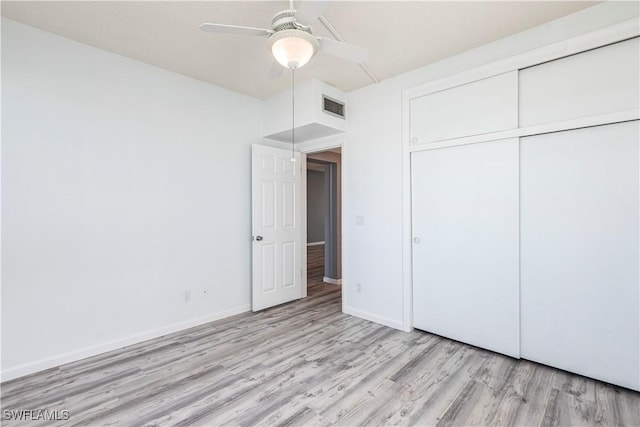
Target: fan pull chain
[{"x": 293, "y": 114}]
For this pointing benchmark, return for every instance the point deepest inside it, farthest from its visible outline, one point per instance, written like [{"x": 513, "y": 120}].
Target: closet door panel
[
  {"x": 465, "y": 251},
  {"x": 599, "y": 81},
  {"x": 580, "y": 291},
  {"x": 482, "y": 106}
]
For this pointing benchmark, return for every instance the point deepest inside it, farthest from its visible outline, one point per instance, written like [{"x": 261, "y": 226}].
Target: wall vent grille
[{"x": 333, "y": 107}]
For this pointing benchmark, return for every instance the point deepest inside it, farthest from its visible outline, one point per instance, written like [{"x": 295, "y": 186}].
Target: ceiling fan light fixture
[{"x": 293, "y": 48}]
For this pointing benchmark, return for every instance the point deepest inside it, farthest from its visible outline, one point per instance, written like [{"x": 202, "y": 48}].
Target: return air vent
[{"x": 332, "y": 106}]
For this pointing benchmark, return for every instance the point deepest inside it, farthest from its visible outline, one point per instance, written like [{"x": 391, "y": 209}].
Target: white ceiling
[{"x": 399, "y": 35}]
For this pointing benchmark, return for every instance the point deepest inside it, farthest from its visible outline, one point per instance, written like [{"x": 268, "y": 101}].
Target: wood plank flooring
[
  {"x": 315, "y": 264},
  {"x": 307, "y": 364}
]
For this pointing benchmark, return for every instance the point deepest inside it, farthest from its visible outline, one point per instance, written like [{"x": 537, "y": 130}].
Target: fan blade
[
  {"x": 275, "y": 70},
  {"x": 309, "y": 11},
  {"x": 343, "y": 50},
  {"x": 234, "y": 29}
]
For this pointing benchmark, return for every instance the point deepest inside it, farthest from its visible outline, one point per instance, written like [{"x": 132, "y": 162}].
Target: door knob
[
  {"x": 258, "y": 238},
  {"x": 416, "y": 240}
]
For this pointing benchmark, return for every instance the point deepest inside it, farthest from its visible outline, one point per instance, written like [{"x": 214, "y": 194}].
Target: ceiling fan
[{"x": 291, "y": 39}]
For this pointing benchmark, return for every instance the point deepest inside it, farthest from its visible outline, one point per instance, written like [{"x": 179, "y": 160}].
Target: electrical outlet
[
  {"x": 359, "y": 287},
  {"x": 187, "y": 296}
]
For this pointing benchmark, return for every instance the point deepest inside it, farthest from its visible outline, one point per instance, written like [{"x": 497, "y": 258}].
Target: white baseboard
[
  {"x": 73, "y": 356},
  {"x": 392, "y": 323},
  {"x": 315, "y": 243},
  {"x": 332, "y": 281}
]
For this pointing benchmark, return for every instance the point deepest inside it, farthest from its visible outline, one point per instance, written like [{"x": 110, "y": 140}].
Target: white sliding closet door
[
  {"x": 580, "y": 289},
  {"x": 465, "y": 250}
]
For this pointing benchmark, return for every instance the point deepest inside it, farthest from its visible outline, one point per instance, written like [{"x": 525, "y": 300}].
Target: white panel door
[
  {"x": 465, "y": 250},
  {"x": 580, "y": 288},
  {"x": 483, "y": 106},
  {"x": 599, "y": 81},
  {"x": 276, "y": 227}
]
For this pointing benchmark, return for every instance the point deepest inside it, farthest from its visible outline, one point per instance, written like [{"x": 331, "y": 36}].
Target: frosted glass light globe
[{"x": 293, "y": 48}]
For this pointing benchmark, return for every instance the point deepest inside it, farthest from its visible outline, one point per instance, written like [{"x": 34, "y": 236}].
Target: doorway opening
[{"x": 324, "y": 222}]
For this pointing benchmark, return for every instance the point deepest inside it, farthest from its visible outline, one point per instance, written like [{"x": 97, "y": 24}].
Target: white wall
[
  {"x": 311, "y": 122},
  {"x": 373, "y": 165},
  {"x": 123, "y": 186}
]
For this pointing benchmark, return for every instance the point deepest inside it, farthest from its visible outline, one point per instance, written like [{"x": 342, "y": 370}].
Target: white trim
[
  {"x": 315, "y": 243},
  {"x": 392, "y": 323},
  {"x": 331, "y": 281},
  {"x": 407, "y": 248},
  {"x": 303, "y": 223},
  {"x": 582, "y": 122},
  {"x": 321, "y": 144},
  {"x": 345, "y": 224},
  {"x": 61, "y": 359}
]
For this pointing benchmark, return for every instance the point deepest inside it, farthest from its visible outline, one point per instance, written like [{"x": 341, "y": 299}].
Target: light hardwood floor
[{"x": 306, "y": 363}]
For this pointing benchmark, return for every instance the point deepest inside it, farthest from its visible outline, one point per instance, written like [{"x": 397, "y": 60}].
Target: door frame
[
  {"x": 330, "y": 219},
  {"x": 310, "y": 148}
]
